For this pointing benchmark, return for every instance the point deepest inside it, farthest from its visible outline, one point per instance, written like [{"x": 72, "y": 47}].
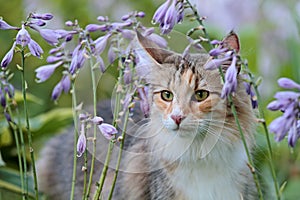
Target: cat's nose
[{"x": 177, "y": 119}]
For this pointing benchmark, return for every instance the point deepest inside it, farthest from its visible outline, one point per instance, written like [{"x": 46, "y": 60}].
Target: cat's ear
[
  {"x": 231, "y": 41},
  {"x": 157, "y": 53}
]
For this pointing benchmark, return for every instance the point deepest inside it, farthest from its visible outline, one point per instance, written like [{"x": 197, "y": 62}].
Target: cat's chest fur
[{"x": 210, "y": 178}]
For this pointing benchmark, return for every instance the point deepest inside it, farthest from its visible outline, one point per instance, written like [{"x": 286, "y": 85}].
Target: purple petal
[
  {"x": 287, "y": 95},
  {"x": 217, "y": 51},
  {"x": 100, "y": 43},
  {"x": 53, "y": 59},
  {"x": 101, "y": 64},
  {"x": 43, "y": 73},
  {"x": 215, "y": 63},
  {"x": 35, "y": 48},
  {"x": 39, "y": 22},
  {"x": 293, "y": 135},
  {"x": 97, "y": 120},
  {"x": 140, "y": 14},
  {"x": 231, "y": 72},
  {"x": 6, "y": 26},
  {"x": 81, "y": 144},
  {"x": 69, "y": 23},
  {"x": 126, "y": 17},
  {"x": 50, "y": 36},
  {"x": 160, "y": 41},
  {"x": 44, "y": 16},
  {"x": 288, "y": 83},
  {"x": 161, "y": 12},
  {"x": 23, "y": 37},
  {"x": 127, "y": 75},
  {"x": 96, "y": 27},
  {"x": 128, "y": 34},
  {"x": 8, "y": 56},
  {"x": 111, "y": 54},
  {"x": 278, "y": 105},
  {"x": 102, "y": 18},
  {"x": 144, "y": 103},
  {"x": 66, "y": 83},
  {"x": 57, "y": 91},
  {"x": 108, "y": 130}
]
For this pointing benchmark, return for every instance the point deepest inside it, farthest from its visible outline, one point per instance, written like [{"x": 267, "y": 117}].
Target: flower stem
[
  {"x": 15, "y": 128},
  {"x": 29, "y": 134},
  {"x": 74, "y": 105},
  {"x": 94, "y": 128},
  {"x": 104, "y": 170},
  {"x": 85, "y": 166},
  {"x": 120, "y": 155},
  {"x": 270, "y": 152}
]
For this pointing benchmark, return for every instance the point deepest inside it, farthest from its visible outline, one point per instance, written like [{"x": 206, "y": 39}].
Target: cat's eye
[
  {"x": 200, "y": 95},
  {"x": 166, "y": 95}
]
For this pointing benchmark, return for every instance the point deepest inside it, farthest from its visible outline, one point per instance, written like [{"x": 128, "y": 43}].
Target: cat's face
[{"x": 185, "y": 98}]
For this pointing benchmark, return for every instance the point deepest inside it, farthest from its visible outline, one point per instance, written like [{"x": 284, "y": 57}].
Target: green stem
[
  {"x": 75, "y": 138},
  {"x": 120, "y": 155},
  {"x": 23, "y": 151},
  {"x": 29, "y": 134},
  {"x": 94, "y": 126},
  {"x": 270, "y": 152},
  {"x": 104, "y": 170},
  {"x": 14, "y": 127},
  {"x": 85, "y": 165}
]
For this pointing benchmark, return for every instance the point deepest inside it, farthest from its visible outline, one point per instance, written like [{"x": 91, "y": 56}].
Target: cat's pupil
[
  {"x": 200, "y": 95},
  {"x": 167, "y": 95}
]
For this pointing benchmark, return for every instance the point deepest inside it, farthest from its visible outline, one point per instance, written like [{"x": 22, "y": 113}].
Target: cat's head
[{"x": 186, "y": 99}]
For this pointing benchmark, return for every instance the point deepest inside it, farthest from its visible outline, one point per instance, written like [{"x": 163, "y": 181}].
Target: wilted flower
[
  {"x": 8, "y": 56},
  {"x": 108, "y": 130},
  {"x": 289, "y": 103}
]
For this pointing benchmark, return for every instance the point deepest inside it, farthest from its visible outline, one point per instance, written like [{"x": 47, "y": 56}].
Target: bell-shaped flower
[
  {"x": 81, "y": 144},
  {"x": 50, "y": 36},
  {"x": 108, "y": 130},
  {"x": 35, "y": 49},
  {"x": 8, "y": 56},
  {"x": 287, "y": 83},
  {"x": 44, "y": 72},
  {"x": 23, "y": 37},
  {"x": 6, "y": 26},
  {"x": 230, "y": 84}
]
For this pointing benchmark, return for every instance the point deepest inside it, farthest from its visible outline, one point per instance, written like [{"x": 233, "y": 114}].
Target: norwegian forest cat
[{"x": 189, "y": 149}]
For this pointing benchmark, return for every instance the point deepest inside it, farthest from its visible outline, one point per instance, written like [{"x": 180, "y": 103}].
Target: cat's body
[{"x": 190, "y": 149}]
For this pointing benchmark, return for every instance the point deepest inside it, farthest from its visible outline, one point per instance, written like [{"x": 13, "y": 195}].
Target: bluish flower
[
  {"x": 6, "y": 26},
  {"x": 100, "y": 61},
  {"x": 289, "y": 103},
  {"x": 100, "y": 43},
  {"x": 81, "y": 144},
  {"x": 127, "y": 74},
  {"x": 102, "y": 18},
  {"x": 217, "y": 51},
  {"x": 97, "y": 120},
  {"x": 8, "y": 56},
  {"x": 44, "y": 72},
  {"x": 38, "y": 22},
  {"x": 35, "y": 49},
  {"x": 51, "y": 36},
  {"x": 250, "y": 92},
  {"x": 111, "y": 54},
  {"x": 65, "y": 83},
  {"x": 44, "y": 16},
  {"x": 144, "y": 103},
  {"x": 23, "y": 37},
  {"x": 57, "y": 90},
  {"x": 230, "y": 84},
  {"x": 96, "y": 27},
  {"x": 77, "y": 59},
  {"x": 215, "y": 63},
  {"x": 168, "y": 14},
  {"x": 108, "y": 130}
]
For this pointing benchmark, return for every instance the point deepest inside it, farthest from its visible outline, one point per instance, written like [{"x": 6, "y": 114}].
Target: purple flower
[
  {"x": 100, "y": 43},
  {"x": 287, "y": 83},
  {"x": 215, "y": 63},
  {"x": 77, "y": 59},
  {"x": 111, "y": 54},
  {"x": 289, "y": 103},
  {"x": 63, "y": 85},
  {"x": 168, "y": 14},
  {"x": 6, "y": 26},
  {"x": 97, "y": 120},
  {"x": 144, "y": 103},
  {"x": 53, "y": 59},
  {"x": 140, "y": 14},
  {"x": 250, "y": 92},
  {"x": 101, "y": 64},
  {"x": 35, "y": 49},
  {"x": 8, "y": 56},
  {"x": 81, "y": 144},
  {"x": 23, "y": 37},
  {"x": 230, "y": 84},
  {"x": 102, "y": 18},
  {"x": 96, "y": 27},
  {"x": 127, "y": 74},
  {"x": 44, "y": 72},
  {"x": 217, "y": 51},
  {"x": 51, "y": 36},
  {"x": 44, "y": 16},
  {"x": 108, "y": 130}
]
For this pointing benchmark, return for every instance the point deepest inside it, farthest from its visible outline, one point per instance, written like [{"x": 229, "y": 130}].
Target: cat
[{"x": 189, "y": 149}]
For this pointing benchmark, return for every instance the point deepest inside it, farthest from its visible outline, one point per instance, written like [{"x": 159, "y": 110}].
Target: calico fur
[{"x": 202, "y": 158}]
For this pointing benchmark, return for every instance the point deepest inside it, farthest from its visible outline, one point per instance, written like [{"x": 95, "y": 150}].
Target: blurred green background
[{"x": 269, "y": 33}]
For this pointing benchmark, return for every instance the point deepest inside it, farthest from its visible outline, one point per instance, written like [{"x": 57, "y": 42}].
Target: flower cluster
[
  {"x": 107, "y": 130},
  {"x": 222, "y": 55},
  {"x": 289, "y": 103},
  {"x": 169, "y": 14}
]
